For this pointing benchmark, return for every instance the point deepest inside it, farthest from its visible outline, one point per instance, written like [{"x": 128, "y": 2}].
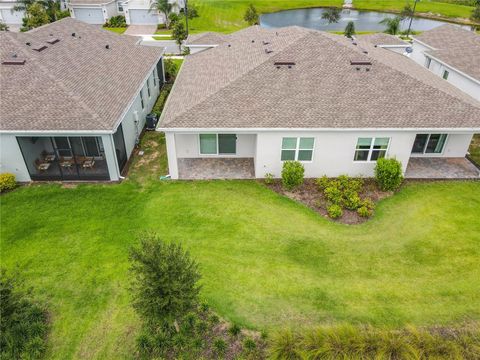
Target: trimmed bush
[
  {"x": 351, "y": 200},
  {"x": 234, "y": 330},
  {"x": 268, "y": 179},
  {"x": 334, "y": 211},
  {"x": 116, "y": 22},
  {"x": 333, "y": 193},
  {"x": 363, "y": 211},
  {"x": 220, "y": 346},
  {"x": 348, "y": 184},
  {"x": 388, "y": 173},
  {"x": 292, "y": 174},
  {"x": 322, "y": 182},
  {"x": 7, "y": 182}
]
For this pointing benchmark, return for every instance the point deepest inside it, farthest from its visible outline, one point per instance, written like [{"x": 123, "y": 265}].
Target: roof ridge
[
  {"x": 60, "y": 83},
  {"x": 240, "y": 76}
]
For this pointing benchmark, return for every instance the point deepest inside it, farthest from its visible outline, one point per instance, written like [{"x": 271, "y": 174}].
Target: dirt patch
[{"x": 310, "y": 195}]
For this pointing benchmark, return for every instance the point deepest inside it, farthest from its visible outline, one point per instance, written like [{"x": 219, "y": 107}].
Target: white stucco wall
[
  {"x": 110, "y": 10},
  {"x": 188, "y": 146},
  {"x": 332, "y": 156},
  {"x": 11, "y": 159},
  {"x": 131, "y": 129}
]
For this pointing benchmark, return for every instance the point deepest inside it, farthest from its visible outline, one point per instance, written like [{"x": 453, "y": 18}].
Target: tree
[
  {"x": 165, "y": 282},
  {"x": 393, "y": 24},
  {"x": 35, "y": 16},
  {"x": 192, "y": 11},
  {"x": 332, "y": 15},
  {"x": 179, "y": 34},
  {"x": 164, "y": 7},
  {"x": 476, "y": 13},
  {"x": 3, "y": 26},
  {"x": 349, "y": 29},
  {"x": 406, "y": 12},
  {"x": 23, "y": 323},
  {"x": 251, "y": 15}
]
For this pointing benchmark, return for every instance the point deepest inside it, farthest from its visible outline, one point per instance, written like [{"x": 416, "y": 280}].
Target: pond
[{"x": 364, "y": 20}]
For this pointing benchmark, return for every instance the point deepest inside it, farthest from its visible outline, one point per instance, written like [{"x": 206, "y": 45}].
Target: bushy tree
[
  {"x": 164, "y": 7},
  {"x": 251, "y": 15},
  {"x": 3, "y": 26},
  {"x": 164, "y": 281},
  {"x": 179, "y": 34},
  {"x": 476, "y": 13},
  {"x": 35, "y": 16},
  {"x": 332, "y": 15},
  {"x": 23, "y": 322},
  {"x": 393, "y": 24},
  {"x": 349, "y": 29}
]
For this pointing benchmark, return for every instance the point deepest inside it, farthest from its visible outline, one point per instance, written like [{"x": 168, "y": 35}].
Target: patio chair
[
  {"x": 89, "y": 162},
  {"x": 41, "y": 166}
]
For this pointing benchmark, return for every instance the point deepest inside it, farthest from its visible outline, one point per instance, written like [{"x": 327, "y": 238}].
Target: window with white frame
[
  {"x": 300, "y": 149},
  {"x": 218, "y": 144},
  {"x": 141, "y": 99},
  {"x": 148, "y": 88},
  {"x": 371, "y": 149},
  {"x": 429, "y": 143}
]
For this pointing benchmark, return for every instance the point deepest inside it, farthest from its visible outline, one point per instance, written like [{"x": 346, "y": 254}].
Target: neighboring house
[
  {"x": 452, "y": 53},
  {"x": 74, "y": 99},
  {"x": 136, "y": 12},
  {"x": 14, "y": 18},
  {"x": 264, "y": 96}
]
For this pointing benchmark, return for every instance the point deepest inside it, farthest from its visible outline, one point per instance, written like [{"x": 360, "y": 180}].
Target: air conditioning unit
[{"x": 151, "y": 121}]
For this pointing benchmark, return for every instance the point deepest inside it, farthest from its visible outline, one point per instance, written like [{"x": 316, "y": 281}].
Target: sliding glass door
[
  {"x": 64, "y": 158},
  {"x": 429, "y": 143}
]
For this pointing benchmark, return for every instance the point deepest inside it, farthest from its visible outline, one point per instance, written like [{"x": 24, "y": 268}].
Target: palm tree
[
  {"x": 393, "y": 24},
  {"x": 332, "y": 15},
  {"x": 164, "y": 7}
]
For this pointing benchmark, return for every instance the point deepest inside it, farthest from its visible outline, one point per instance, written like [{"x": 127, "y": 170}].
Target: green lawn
[
  {"x": 267, "y": 262},
  {"x": 227, "y": 15}
]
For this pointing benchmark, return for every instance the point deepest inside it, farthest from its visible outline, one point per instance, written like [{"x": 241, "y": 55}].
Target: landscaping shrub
[
  {"x": 333, "y": 193},
  {"x": 322, "y": 182},
  {"x": 348, "y": 184},
  {"x": 234, "y": 330},
  {"x": 116, "y": 22},
  {"x": 351, "y": 200},
  {"x": 363, "y": 211},
  {"x": 7, "y": 182},
  {"x": 268, "y": 179},
  {"x": 23, "y": 322},
  {"x": 219, "y": 346},
  {"x": 249, "y": 344},
  {"x": 292, "y": 174},
  {"x": 388, "y": 173},
  {"x": 349, "y": 342},
  {"x": 162, "y": 98},
  {"x": 334, "y": 211}
]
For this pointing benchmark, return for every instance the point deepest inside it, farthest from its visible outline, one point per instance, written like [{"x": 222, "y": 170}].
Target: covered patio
[
  {"x": 215, "y": 168},
  {"x": 441, "y": 168}
]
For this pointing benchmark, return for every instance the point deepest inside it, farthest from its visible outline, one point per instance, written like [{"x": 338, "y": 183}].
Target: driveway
[{"x": 137, "y": 30}]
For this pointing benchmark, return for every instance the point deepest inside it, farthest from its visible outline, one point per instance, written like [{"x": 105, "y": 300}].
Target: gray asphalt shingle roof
[
  {"x": 237, "y": 85},
  {"x": 207, "y": 38},
  {"x": 75, "y": 84},
  {"x": 455, "y": 46}
]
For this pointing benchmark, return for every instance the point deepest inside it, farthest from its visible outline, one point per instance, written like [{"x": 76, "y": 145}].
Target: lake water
[{"x": 364, "y": 20}]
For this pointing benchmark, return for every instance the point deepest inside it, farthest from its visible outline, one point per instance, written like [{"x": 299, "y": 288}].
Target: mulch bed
[{"x": 310, "y": 195}]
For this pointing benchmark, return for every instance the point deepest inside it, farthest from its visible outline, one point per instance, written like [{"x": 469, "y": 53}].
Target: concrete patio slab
[
  {"x": 138, "y": 30},
  {"x": 441, "y": 168},
  {"x": 216, "y": 168}
]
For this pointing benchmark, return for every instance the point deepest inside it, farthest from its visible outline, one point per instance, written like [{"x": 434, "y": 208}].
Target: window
[
  {"x": 154, "y": 78},
  {"x": 427, "y": 62},
  {"x": 148, "y": 88},
  {"x": 141, "y": 99},
  {"x": 218, "y": 144},
  {"x": 371, "y": 149},
  {"x": 429, "y": 143},
  {"x": 445, "y": 74},
  {"x": 300, "y": 149},
  {"x": 120, "y": 7}
]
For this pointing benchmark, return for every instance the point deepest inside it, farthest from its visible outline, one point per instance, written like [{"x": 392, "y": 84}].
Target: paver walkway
[
  {"x": 216, "y": 168},
  {"x": 441, "y": 168}
]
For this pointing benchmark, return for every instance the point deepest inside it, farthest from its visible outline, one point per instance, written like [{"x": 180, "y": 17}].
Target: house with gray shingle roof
[
  {"x": 74, "y": 100},
  {"x": 264, "y": 96},
  {"x": 452, "y": 53}
]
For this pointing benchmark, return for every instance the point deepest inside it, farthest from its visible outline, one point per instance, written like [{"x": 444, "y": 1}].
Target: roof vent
[
  {"x": 53, "y": 41},
  {"x": 354, "y": 43},
  {"x": 107, "y": 46},
  {"x": 28, "y": 43},
  {"x": 265, "y": 42},
  {"x": 229, "y": 45},
  {"x": 73, "y": 34},
  {"x": 286, "y": 63},
  {"x": 39, "y": 47},
  {"x": 365, "y": 51},
  {"x": 268, "y": 51},
  {"x": 253, "y": 41},
  {"x": 13, "y": 60},
  {"x": 360, "y": 62}
]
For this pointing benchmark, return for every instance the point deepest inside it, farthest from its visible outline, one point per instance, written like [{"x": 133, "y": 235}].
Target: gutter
[{"x": 256, "y": 130}]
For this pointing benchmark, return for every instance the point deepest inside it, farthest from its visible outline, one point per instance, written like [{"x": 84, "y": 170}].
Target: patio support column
[{"x": 172, "y": 155}]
